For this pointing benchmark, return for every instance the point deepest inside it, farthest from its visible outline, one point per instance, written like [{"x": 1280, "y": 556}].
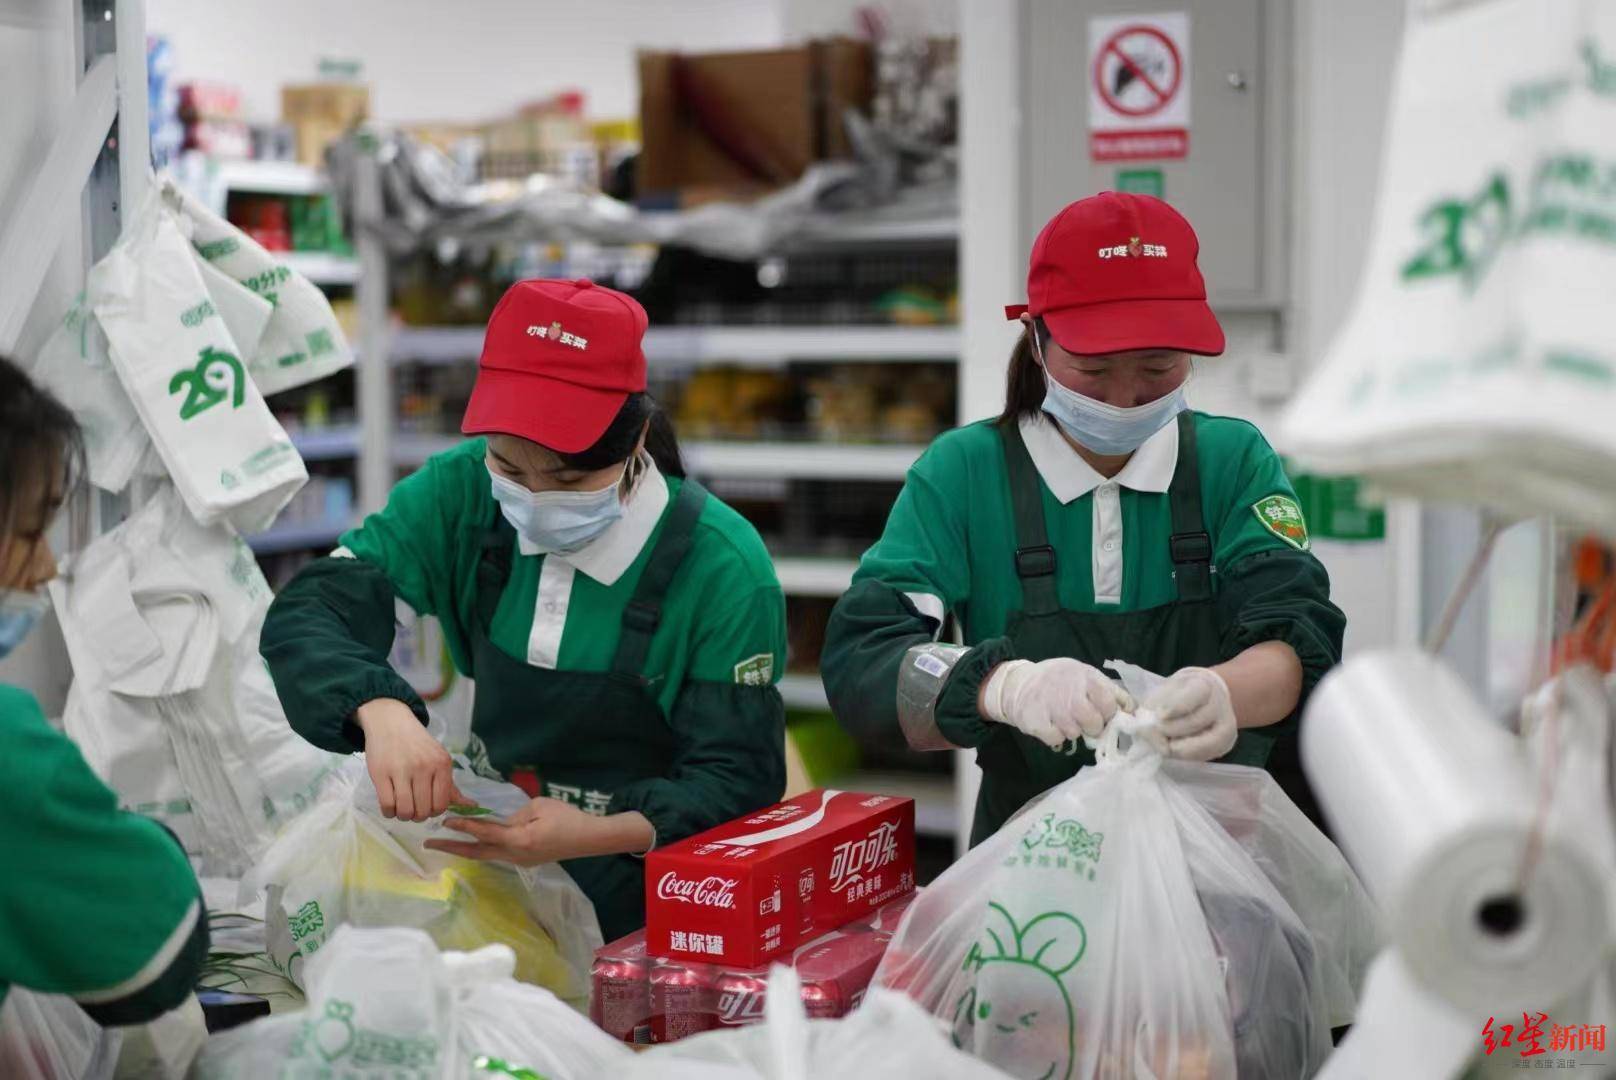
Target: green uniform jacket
[
  {"x": 949, "y": 546},
  {"x": 713, "y": 662},
  {"x": 96, "y": 903}
]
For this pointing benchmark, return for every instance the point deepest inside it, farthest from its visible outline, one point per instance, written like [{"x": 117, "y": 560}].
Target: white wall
[
  {"x": 802, "y": 19},
  {"x": 459, "y": 61},
  {"x": 1344, "y": 56}
]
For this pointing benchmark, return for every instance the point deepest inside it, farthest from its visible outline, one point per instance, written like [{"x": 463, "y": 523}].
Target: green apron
[
  {"x": 590, "y": 731},
  {"x": 1185, "y": 632}
]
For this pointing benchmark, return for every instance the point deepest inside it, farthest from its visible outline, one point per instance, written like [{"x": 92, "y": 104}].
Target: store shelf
[
  {"x": 322, "y": 267},
  {"x": 411, "y": 451},
  {"x": 804, "y": 692},
  {"x": 437, "y": 344},
  {"x": 815, "y": 577},
  {"x": 297, "y": 536},
  {"x": 741, "y": 344},
  {"x": 801, "y": 460},
  {"x": 271, "y": 177},
  {"x": 853, "y": 228},
  {"x": 326, "y": 444},
  {"x": 936, "y": 812},
  {"x": 778, "y": 344}
]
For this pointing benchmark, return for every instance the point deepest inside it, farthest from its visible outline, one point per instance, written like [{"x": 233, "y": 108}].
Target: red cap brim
[
  {"x": 1123, "y": 325},
  {"x": 561, "y": 416}
]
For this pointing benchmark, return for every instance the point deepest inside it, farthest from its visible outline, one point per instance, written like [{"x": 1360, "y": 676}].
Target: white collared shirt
[
  {"x": 1069, "y": 477},
  {"x": 604, "y": 559}
]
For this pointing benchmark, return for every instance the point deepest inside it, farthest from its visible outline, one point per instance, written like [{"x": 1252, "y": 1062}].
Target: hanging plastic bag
[
  {"x": 48, "y": 1037},
  {"x": 229, "y": 457},
  {"x": 342, "y": 863},
  {"x": 886, "y": 1036},
  {"x": 303, "y": 341},
  {"x": 1042, "y": 947},
  {"x": 1479, "y": 363},
  {"x": 74, "y": 366},
  {"x": 384, "y": 1003}
]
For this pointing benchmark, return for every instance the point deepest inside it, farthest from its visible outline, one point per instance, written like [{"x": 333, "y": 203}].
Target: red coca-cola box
[{"x": 754, "y": 889}]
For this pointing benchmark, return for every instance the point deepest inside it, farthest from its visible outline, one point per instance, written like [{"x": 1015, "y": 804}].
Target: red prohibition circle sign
[{"x": 1161, "y": 95}]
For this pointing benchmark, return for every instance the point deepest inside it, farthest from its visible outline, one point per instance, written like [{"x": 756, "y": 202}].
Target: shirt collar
[
  {"x": 606, "y": 557},
  {"x": 1069, "y": 477}
]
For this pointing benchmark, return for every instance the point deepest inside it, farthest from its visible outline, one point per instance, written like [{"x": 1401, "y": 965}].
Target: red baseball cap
[
  {"x": 559, "y": 359},
  {"x": 1116, "y": 271}
]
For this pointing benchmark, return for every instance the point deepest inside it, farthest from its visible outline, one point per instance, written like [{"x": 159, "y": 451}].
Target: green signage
[
  {"x": 1142, "y": 182},
  {"x": 1335, "y": 508}
]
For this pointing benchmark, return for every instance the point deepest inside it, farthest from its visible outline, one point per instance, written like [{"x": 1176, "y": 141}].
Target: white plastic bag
[
  {"x": 74, "y": 366},
  {"x": 383, "y": 1004},
  {"x": 171, "y": 703},
  {"x": 48, "y": 1037},
  {"x": 342, "y": 863},
  {"x": 229, "y": 457},
  {"x": 1479, "y": 363},
  {"x": 886, "y": 1036},
  {"x": 303, "y": 341},
  {"x": 1143, "y": 919}
]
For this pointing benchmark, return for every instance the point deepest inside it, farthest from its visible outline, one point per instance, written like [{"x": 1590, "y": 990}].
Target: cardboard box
[
  {"x": 758, "y": 887},
  {"x": 746, "y": 118},
  {"x": 336, "y": 103}
]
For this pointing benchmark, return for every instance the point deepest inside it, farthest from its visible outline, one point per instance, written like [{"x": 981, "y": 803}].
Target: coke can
[
  {"x": 683, "y": 1000},
  {"x": 836, "y": 973},
  {"x": 741, "y": 997},
  {"x": 620, "y": 995}
]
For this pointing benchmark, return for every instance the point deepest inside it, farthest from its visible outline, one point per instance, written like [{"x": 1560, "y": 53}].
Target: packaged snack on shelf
[{"x": 756, "y": 887}]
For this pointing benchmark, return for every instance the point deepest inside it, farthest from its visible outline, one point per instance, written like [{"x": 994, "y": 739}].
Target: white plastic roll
[{"x": 1433, "y": 804}]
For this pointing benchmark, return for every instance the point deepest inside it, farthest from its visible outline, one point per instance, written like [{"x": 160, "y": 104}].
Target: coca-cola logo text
[
  {"x": 849, "y": 862},
  {"x": 740, "y": 1007},
  {"x": 710, "y": 891}
]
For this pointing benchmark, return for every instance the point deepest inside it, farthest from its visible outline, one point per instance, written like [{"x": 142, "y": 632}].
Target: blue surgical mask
[
  {"x": 557, "y": 522},
  {"x": 19, "y": 612},
  {"x": 1108, "y": 429}
]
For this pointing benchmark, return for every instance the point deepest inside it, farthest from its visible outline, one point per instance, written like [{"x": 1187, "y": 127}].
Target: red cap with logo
[
  {"x": 1115, "y": 272},
  {"x": 559, "y": 359}
]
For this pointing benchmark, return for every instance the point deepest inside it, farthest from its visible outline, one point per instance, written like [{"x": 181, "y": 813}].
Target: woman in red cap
[
  {"x": 1097, "y": 518},
  {"x": 625, "y": 629}
]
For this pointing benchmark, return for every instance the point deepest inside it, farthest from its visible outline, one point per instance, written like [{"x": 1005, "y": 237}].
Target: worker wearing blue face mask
[
  {"x": 96, "y": 903},
  {"x": 1097, "y": 518},
  {"x": 625, "y": 629}
]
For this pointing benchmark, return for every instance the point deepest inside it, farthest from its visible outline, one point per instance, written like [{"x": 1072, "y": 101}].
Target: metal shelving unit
[
  {"x": 827, "y": 578},
  {"x": 327, "y": 444},
  {"x": 801, "y": 460},
  {"x": 298, "y": 535},
  {"x": 324, "y": 268}
]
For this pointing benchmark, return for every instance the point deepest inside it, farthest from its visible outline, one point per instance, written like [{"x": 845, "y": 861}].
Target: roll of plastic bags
[
  {"x": 384, "y": 1003},
  {"x": 342, "y": 863},
  {"x": 886, "y": 1036},
  {"x": 1042, "y": 947},
  {"x": 48, "y": 1037},
  {"x": 229, "y": 457},
  {"x": 303, "y": 341},
  {"x": 74, "y": 366}
]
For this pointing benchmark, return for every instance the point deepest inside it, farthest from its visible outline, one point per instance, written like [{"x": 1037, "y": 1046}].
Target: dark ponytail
[
  {"x": 617, "y": 442},
  {"x": 1025, "y": 386}
]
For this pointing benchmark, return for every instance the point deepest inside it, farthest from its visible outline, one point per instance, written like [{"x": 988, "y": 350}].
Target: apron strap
[
  {"x": 1190, "y": 545},
  {"x": 1035, "y": 559},
  {"x": 493, "y": 568},
  {"x": 644, "y": 612}
]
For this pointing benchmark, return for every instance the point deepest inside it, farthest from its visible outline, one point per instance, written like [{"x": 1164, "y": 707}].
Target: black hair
[
  {"x": 1025, "y": 386},
  {"x": 37, "y": 435},
  {"x": 617, "y": 442}
]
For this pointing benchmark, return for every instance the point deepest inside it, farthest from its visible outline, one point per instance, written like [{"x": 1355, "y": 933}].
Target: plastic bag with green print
[{"x": 1145, "y": 918}]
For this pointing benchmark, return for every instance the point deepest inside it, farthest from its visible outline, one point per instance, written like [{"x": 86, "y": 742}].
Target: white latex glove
[
  {"x": 1196, "y": 715},
  {"x": 1054, "y": 701}
]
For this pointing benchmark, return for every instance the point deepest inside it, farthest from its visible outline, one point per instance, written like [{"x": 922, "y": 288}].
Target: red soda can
[
  {"x": 741, "y": 997},
  {"x": 619, "y": 993},
  {"x": 836, "y": 973},
  {"x": 683, "y": 999}
]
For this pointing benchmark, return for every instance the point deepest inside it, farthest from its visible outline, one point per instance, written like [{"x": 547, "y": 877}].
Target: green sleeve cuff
[
  {"x": 1282, "y": 596},
  {"x": 957, "y": 715}
]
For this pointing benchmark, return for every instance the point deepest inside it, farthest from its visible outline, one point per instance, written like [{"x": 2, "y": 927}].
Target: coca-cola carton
[{"x": 757, "y": 887}]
